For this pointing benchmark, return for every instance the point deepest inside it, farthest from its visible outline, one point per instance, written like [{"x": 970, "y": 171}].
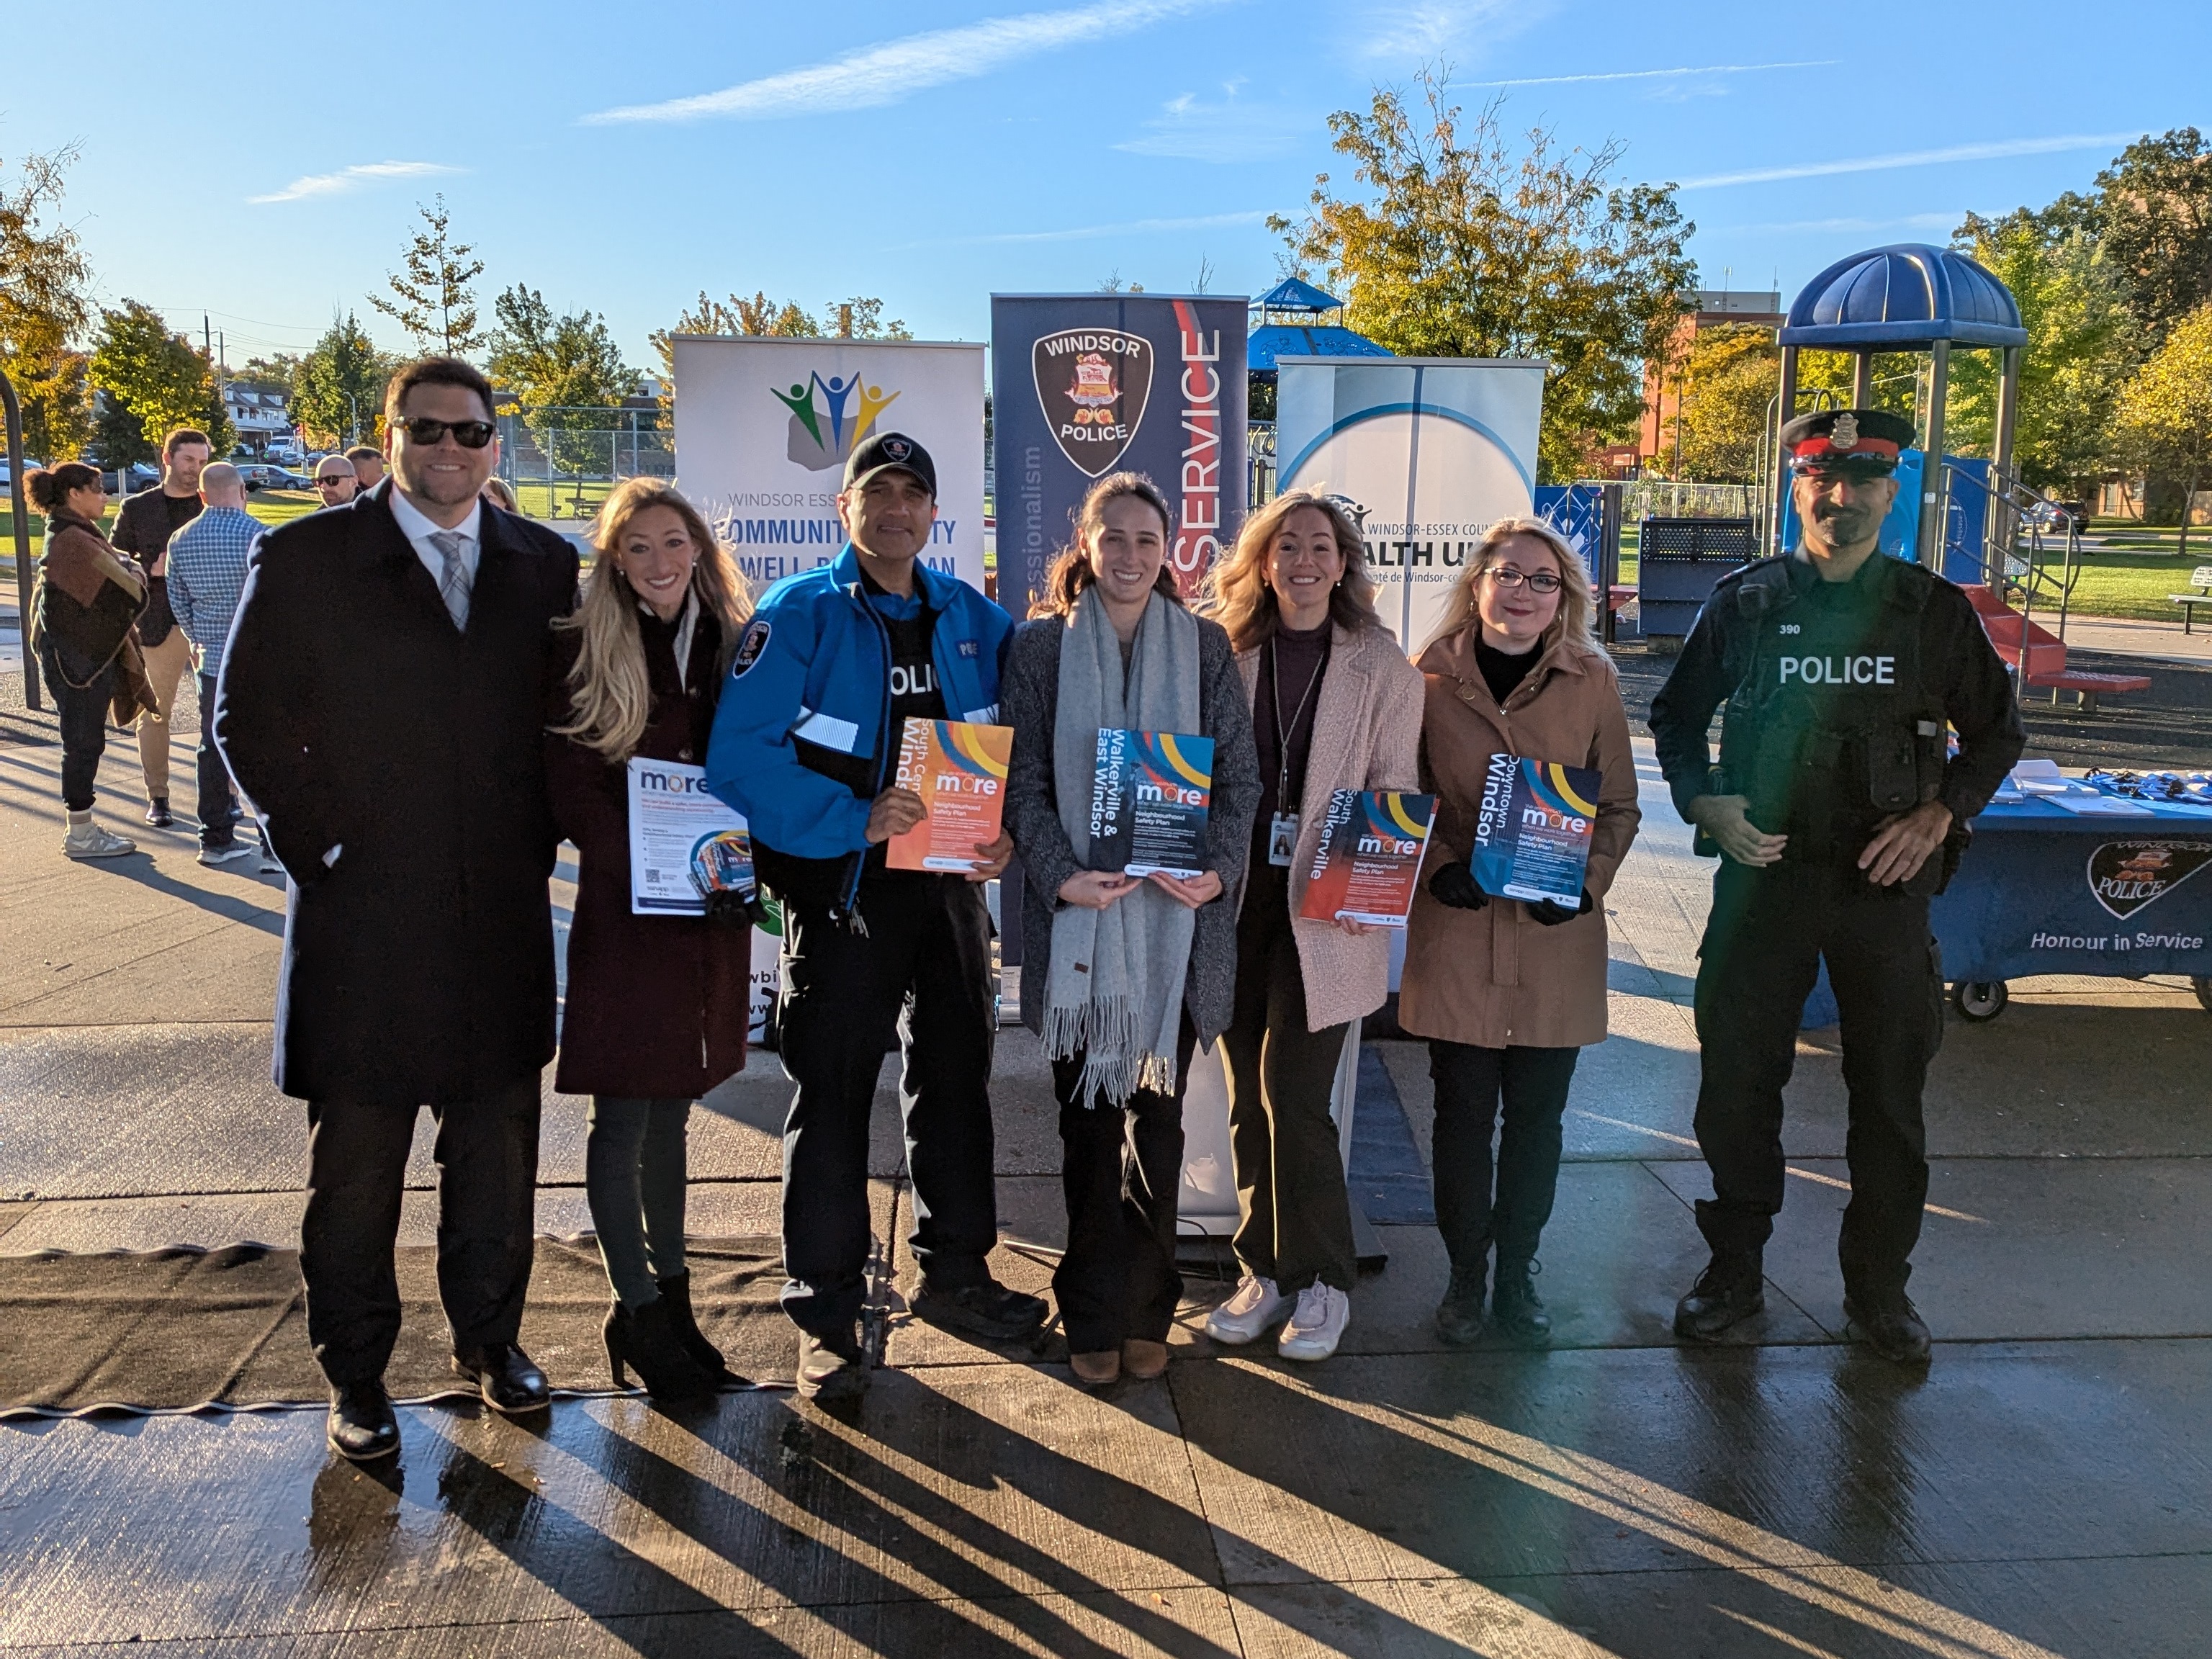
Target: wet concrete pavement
[{"x": 2044, "y": 1489}]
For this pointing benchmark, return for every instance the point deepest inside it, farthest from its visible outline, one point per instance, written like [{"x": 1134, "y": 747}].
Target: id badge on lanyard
[{"x": 1282, "y": 838}]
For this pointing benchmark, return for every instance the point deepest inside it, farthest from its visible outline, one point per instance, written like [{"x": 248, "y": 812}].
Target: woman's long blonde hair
[
  {"x": 1577, "y": 608},
  {"x": 609, "y": 694},
  {"x": 1238, "y": 595}
]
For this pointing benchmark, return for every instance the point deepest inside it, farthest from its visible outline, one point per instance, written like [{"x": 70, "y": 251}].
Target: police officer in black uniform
[{"x": 1837, "y": 814}]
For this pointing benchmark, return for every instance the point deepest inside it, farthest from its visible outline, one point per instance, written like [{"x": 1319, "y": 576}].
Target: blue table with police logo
[{"x": 2043, "y": 890}]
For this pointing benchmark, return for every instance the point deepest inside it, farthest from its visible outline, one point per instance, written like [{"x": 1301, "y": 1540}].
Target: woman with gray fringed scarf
[{"x": 1124, "y": 975}]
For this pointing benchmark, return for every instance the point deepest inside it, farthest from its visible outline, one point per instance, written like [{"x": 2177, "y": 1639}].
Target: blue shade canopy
[
  {"x": 1292, "y": 294},
  {"x": 1277, "y": 341},
  {"x": 1904, "y": 298}
]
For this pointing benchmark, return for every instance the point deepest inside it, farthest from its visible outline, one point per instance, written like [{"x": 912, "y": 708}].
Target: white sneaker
[
  {"x": 1318, "y": 1325},
  {"x": 91, "y": 841},
  {"x": 225, "y": 852},
  {"x": 1255, "y": 1309}
]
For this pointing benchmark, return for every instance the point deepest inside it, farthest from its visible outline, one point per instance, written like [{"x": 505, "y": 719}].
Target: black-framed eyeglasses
[
  {"x": 468, "y": 434},
  {"x": 1543, "y": 582}
]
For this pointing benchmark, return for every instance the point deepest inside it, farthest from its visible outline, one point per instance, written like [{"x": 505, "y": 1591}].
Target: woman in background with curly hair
[
  {"x": 656, "y": 1007},
  {"x": 1335, "y": 705}
]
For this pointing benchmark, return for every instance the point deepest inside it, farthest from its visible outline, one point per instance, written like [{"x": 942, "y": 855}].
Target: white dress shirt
[{"x": 418, "y": 530}]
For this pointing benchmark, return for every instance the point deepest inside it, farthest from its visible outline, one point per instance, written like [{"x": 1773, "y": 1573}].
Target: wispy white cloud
[
  {"x": 1189, "y": 130},
  {"x": 1093, "y": 232},
  {"x": 1917, "y": 158},
  {"x": 1423, "y": 28},
  {"x": 895, "y": 69},
  {"x": 353, "y": 178},
  {"x": 1902, "y": 222},
  {"x": 1656, "y": 74}
]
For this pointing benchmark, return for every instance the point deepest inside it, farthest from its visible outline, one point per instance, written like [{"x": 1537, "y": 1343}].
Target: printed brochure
[
  {"x": 1148, "y": 801},
  {"x": 959, "y": 769},
  {"x": 1532, "y": 835},
  {"x": 684, "y": 843},
  {"x": 1370, "y": 857}
]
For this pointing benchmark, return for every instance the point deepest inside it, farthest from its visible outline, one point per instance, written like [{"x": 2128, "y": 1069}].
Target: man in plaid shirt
[{"x": 207, "y": 572}]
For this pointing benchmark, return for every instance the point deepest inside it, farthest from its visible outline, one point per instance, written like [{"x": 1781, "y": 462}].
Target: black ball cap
[{"x": 890, "y": 451}]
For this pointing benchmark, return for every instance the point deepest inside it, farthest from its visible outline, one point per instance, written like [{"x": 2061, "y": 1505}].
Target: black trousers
[
  {"x": 82, "y": 717},
  {"x": 217, "y": 813},
  {"x": 1294, "y": 1216},
  {"x": 1471, "y": 1082},
  {"x": 486, "y": 1153},
  {"x": 1121, "y": 1169},
  {"x": 922, "y": 971},
  {"x": 1768, "y": 932}
]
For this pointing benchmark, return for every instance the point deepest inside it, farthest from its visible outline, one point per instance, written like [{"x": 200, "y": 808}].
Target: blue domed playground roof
[{"x": 1904, "y": 298}]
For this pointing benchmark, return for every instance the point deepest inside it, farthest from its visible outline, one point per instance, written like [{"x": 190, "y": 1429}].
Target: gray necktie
[{"x": 454, "y": 586}]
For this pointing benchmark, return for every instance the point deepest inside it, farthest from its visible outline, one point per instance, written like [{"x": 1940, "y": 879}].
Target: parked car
[
  {"x": 261, "y": 475},
  {"x": 6, "y": 477}
]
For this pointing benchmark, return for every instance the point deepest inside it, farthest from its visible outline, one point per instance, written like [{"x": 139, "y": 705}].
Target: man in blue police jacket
[{"x": 805, "y": 745}]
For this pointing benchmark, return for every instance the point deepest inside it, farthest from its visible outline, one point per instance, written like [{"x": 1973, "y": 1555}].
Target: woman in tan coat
[
  {"x": 1507, "y": 992},
  {"x": 1335, "y": 705}
]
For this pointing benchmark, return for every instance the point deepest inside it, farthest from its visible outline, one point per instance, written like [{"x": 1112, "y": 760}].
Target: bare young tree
[{"x": 435, "y": 300}]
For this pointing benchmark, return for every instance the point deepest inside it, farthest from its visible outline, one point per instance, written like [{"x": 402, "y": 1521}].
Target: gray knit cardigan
[{"x": 1029, "y": 696}]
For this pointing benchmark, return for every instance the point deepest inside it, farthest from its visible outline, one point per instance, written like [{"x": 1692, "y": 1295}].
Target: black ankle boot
[
  {"x": 1887, "y": 1322},
  {"x": 646, "y": 1339},
  {"x": 676, "y": 1294},
  {"x": 1459, "y": 1316},
  {"x": 1732, "y": 1288},
  {"x": 1514, "y": 1308}
]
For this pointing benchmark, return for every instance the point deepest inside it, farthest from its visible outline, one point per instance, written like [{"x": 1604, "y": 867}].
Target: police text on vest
[{"x": 1839, "y": 671}]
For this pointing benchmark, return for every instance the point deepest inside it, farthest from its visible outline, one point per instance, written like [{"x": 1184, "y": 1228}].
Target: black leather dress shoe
[
  {"x": 831, "y": 1370},
  {"x": 1887, "y": 1322},
  {"x": 989, "y": 1310},
  {"x": 1732, "y": 1288},
  {"x": 158, "y": 814},
  {"x": 511, "y": 1384},
  {"x": 361, "y": 1427}
]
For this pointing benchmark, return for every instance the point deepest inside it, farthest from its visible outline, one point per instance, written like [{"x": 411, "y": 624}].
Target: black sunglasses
[
  {"x": 468, "y": 434},
  {"x": 330, "y": 478}
]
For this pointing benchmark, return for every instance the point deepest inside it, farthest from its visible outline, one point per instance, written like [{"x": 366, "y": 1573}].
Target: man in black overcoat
[{"x": 382, "y": 703}]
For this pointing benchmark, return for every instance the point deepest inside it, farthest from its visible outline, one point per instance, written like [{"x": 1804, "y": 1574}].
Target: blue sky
[{"x": 622, "y": 158}]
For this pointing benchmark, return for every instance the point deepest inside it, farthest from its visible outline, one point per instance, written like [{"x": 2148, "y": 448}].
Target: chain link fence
[{"x": 561, "y": 461}]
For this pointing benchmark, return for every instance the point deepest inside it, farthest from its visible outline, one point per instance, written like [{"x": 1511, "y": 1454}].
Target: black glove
[
  {"x": 1453, "y": 885},
  {"x": 1550, "y": 912},
  {"x": 730, "y": 910}
]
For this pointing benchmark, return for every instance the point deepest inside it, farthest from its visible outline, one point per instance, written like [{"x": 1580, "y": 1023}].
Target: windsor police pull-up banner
[
  {"x": 1436, "y": 449},
  {"x": 763, "y": 427},
  {"x": 1087, "y": 383}
]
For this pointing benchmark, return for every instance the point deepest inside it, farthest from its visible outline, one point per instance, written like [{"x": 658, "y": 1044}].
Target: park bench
[{"x": 2200, "y": 586}]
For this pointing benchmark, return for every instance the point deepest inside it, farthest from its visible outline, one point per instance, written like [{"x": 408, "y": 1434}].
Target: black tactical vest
[{"x": 1834, "y": 725}]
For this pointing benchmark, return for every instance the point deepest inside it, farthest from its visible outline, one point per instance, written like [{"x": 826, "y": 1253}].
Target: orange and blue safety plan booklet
[
  {"x": 1531, "y": 833},
  {"x": 959, "y": 770},
  {"x": 1149, "y": 799},
  {"x": 1370, "y": 857}
]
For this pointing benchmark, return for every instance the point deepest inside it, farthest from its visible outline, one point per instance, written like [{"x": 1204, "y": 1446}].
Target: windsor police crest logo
[
  {"x": 2126, "y": 875},
  {"x": 1093, "y": 384},
  {"x": 1844, "y": 435}
]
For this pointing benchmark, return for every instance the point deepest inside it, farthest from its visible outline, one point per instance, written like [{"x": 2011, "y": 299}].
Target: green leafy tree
[
  {"x": 279, "y": 372},
  {"x": 435, "y": 299},
  {"x": 2166, "y": 409},
  {"x": 155, "y": 377},
  {"x": 2081, "y": 345},
  {"x": 337, "y": 393},
  {"x": 784, "y": 319},
  {"x": 2153, "y": 215},
  {"x": 568, "y": 371},
  {"x": 776, "y": 319},
  {"x": 44, "y": 277},
  {"x": 1727, "y": 386},
  {"x": 1457, "y": 247}
]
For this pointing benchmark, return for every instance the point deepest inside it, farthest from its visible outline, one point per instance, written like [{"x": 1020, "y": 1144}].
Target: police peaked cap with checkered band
[
  {"x": 1861, "y": 440},
  {"x": 890, "y": 451}
]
